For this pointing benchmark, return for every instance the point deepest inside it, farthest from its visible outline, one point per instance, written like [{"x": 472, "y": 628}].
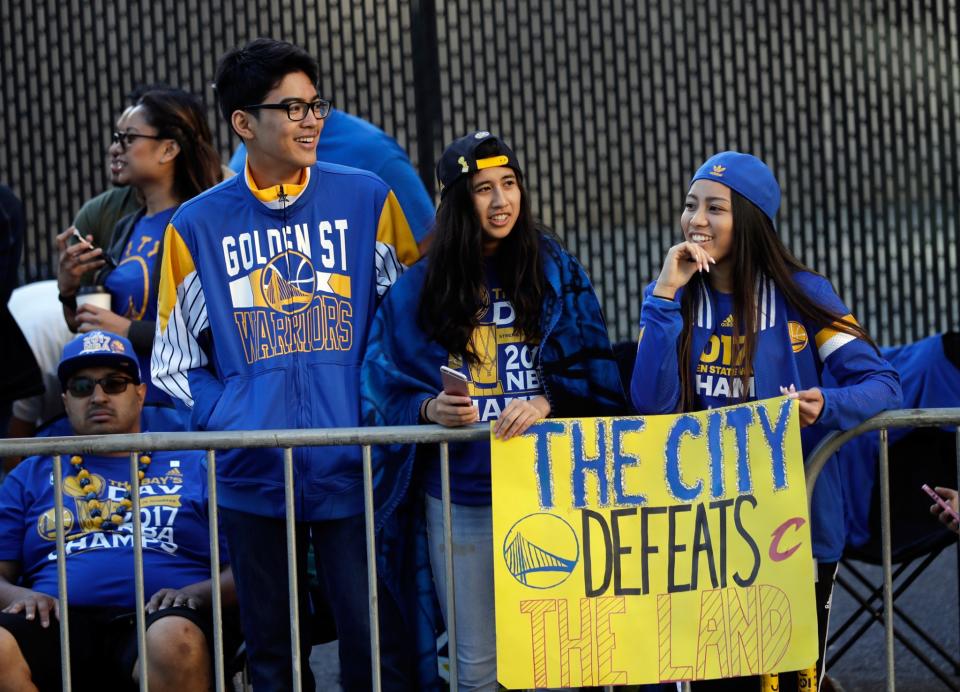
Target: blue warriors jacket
[
  {"x": 789, "y": 350},
  {"x": 265, "y": 301},
  {"x": 574, "y": 362}
]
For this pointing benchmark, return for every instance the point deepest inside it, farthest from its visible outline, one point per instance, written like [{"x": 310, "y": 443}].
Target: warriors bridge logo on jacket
[{"x": 285, "y": 301}]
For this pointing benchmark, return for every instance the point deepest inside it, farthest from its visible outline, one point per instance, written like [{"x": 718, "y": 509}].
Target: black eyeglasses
[
  {"x": 296, "y": 110},
  {"x": 82, "y": 387},
  {"x": 124, "y": 139}
]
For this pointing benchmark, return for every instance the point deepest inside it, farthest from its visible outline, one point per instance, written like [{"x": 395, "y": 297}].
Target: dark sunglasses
[{"x": 82, "y": 387}]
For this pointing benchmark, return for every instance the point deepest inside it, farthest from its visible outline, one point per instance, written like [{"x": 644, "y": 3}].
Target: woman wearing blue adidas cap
[
  {"x": 499, "y": 300},
  {"x": 729, "y": 293}
]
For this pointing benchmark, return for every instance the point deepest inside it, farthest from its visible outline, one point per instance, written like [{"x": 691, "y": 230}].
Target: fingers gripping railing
[{"x": 904, "y": 418}]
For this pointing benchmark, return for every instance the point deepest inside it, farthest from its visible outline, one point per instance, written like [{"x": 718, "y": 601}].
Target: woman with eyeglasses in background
[{"x": 163, "y": 149}]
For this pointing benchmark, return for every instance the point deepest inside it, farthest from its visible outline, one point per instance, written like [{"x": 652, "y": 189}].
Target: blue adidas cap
[
  {"x": 98, "y": 348},
  {"x": 746, "y": 174}
]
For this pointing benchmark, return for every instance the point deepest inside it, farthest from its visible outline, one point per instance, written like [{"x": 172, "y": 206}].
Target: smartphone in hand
[
  {"x": 454, "y": 382},
  {"x": 78, "y": 238},
  {"x": 940, "y": 501}
]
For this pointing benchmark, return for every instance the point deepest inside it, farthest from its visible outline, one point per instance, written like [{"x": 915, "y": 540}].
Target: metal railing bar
[
  {"x": 448, "y": 563},
  {"x": 216, "y": 598},
  {"x": 366, "y": 437},
  {"x": 828, "y": 446},
  {"x": 927, "y": 639},
  {"x": 901, "y": 418},
  {"x": 900, "y": 589},
  {"x": 62, "y": 573},
  {"x": 907, "y": 644},
  {"x": 956, "y": 669},
  {"x": 887, "y": 553},
  {"x": 316, "y": 437},
  {"x": 876, "y": 594},
  {"x": 294, "y": 598},
  {"x": 369, "y": 525},
  {"x": 140, "y": 598}
]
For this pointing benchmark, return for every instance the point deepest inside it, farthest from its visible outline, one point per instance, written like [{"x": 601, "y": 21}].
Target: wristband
[
  {"x": 68, "y": 301},
  {"x": 423, "y": 409}
]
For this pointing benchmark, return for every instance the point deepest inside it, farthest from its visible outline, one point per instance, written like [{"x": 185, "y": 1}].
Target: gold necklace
[{"x": 96, "y": 508}]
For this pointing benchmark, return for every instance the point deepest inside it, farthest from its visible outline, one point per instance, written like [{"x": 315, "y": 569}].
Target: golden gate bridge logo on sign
[{"x": 541, "y": 550}]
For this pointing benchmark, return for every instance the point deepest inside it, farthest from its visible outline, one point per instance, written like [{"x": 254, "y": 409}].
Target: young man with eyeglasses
[
  {"x": 103, "y": 395},
  {"x": 352, "y": 141},
  {"x": 269, "y": 284}
]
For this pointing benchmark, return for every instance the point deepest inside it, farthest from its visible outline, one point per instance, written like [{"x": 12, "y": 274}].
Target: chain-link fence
[{"x": 610, "y": 105}]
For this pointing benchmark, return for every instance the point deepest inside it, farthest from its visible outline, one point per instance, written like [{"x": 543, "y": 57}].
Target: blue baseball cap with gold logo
[
  {"x": 98, "y": 348},
  {"x": 746, "y": 174},
  {"x": 460, "y": 158}
]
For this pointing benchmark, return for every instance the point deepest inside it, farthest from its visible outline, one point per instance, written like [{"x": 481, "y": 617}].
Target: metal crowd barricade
[
  {"x": 212, "y": 441},
  {"x": 366, "y": 438},
  {"x": 904, "y": 418}
]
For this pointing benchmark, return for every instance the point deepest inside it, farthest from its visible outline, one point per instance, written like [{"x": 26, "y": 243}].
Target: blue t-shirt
[
  {"x": 351, "y": 141},
  {"x": 505, "y": 371},
  {"x": 129, "y": 283},
  {"x": 176, "y": 543},
  {"x": 717, "y": 379}
]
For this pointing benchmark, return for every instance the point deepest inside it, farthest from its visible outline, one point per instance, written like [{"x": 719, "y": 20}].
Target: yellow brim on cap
[{"x": 492, "y": 162}]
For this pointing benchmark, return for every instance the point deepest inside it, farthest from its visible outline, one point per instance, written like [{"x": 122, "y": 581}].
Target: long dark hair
[
  {"x": 756, "y": 251},
  {"x": 454, "y": 291},
  {"x": 181, "y": 116}
]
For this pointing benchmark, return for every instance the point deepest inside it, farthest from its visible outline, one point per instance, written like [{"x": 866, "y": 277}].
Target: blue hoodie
[
  {"x": 789, "y": 350},
  {"x": 574, "y": 365},
  {"x": 265, "y": 301}
]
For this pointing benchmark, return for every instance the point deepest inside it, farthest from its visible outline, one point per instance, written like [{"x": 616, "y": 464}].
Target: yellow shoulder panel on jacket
[
  {"x": 177, "y": 263},
  {"x": 394, "y": 230}
]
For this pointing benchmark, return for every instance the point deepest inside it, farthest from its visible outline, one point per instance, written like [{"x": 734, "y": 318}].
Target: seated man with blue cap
[{"x": 103, "y": 395}]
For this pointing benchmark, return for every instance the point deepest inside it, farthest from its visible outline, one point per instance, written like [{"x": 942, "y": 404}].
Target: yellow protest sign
[{"x": 658, "y": 548}]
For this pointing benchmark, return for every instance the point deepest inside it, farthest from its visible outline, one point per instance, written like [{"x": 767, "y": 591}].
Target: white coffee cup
[{"x": 95, "y": 295}]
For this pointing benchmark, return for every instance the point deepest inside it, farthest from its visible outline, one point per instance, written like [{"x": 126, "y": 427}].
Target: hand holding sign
[
  {"x": 637, "y": 550},
  {"x": 810, "y": 400}
]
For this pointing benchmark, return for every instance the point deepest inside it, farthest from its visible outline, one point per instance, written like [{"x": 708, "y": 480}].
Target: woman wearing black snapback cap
[{"x": 498, "y": 299}]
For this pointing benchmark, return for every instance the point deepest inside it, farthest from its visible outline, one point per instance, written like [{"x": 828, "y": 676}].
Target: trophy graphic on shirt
[{"x": 484, "y": 373}]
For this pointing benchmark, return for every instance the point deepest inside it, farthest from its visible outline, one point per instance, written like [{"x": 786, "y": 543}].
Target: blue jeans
[
  {"x": 258, "y": 555},
  {"x": 473, "y": 588}
]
